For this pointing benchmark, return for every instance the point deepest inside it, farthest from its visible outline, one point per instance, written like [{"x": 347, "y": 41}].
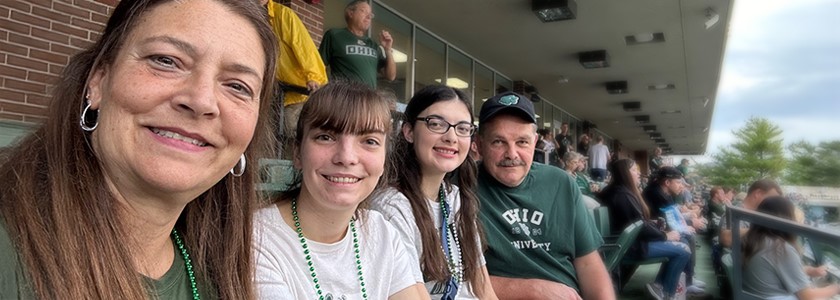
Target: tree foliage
[
  {"x": 814, "y": 165},
  {"x": 757, "y": 153}
]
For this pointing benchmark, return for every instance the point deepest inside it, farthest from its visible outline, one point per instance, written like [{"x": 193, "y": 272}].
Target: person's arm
[
  {"x": 726, "y": 236},
  {"x": 531, "y": 288},
  {"x": 390, "y": 69},
  {"x": 818, "y": 293},
  {"x": 595, "y": 281},
  {"x": 307, "y": 57},
  {"x": 487, "y": 291},
  {"x": 413, "y": 292},
  {"x": 815, "y": 271}
]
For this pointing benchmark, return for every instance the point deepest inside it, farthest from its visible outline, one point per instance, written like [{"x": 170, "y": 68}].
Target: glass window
[
  {"x": 430, "y": 60},
  {"x": 558, "y": 120},
  {"x": 503, "y": 84},
  {"x": 483, "y": 87},
  {"x": 459, "y": 68},
  {"x": 546, "y": 116},
  {"x": 400, "y": 30}
]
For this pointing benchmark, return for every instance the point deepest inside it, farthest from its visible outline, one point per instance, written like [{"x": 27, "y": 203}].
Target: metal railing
[{"x": 737, "y": 215}]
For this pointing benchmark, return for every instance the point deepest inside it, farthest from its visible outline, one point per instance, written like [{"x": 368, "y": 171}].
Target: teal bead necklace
[
  {"x": 454, "y": 269},
  {"x": 311, "y": 265},
  {"x": 187, "y": 262}
]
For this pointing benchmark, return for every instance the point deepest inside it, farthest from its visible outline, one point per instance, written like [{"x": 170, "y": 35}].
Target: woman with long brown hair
[
  {"x": 434, "y": 210},
  {"x": 316, "y": 240},
  {"x": 773, "y": 266},
  {"x": 136, "y": 185},
  {"x": 626, "y": 206}
]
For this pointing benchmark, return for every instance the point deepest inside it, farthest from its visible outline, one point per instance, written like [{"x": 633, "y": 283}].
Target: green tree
[
  {"x": 814, "y": 165},
  {"x": 757, "y": 153}
]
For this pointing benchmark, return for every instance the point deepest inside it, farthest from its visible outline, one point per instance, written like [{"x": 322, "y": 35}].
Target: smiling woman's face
[{"x": 180, "y": 103}]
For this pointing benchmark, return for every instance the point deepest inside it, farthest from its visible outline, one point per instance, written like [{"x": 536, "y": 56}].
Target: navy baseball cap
[{"x": 508, "y": 101}]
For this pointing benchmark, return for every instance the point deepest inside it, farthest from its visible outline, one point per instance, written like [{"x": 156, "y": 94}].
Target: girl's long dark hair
[
  {"x": 407, "y": 181},
  {"x": 621, "y": 176},
  {"x": 754, "y": 240}
]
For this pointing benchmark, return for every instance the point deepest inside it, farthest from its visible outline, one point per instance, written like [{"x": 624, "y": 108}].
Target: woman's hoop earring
[
  {"x": 82, "y": 120},
  {"x": 241, "y": 167}
]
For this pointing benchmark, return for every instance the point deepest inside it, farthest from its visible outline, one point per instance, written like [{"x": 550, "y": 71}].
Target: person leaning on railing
[{"x": 773, "y": 266}]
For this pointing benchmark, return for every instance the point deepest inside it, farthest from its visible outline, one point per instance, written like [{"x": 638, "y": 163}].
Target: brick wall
[{"x": 37, "y": 38}]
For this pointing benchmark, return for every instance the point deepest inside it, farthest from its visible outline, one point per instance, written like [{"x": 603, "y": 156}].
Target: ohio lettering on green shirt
[{"x": 537, "y": 229}]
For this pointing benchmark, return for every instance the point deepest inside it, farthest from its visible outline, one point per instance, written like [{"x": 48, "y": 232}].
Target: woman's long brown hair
[
  {"x": 407, "y": 181},
  {"x": 62, "y": 218},
  {"x": 756, "y": 238},
  {"x": 620, "y": 171}
]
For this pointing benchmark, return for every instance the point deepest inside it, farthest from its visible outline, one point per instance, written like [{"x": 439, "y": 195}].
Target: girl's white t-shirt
[
  {"x": 395, "y": 207},
  {"x": 282, "y": 271}
]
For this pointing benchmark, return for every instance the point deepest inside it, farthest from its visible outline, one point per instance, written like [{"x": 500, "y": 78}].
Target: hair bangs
[{"x": 345, "y": 107}]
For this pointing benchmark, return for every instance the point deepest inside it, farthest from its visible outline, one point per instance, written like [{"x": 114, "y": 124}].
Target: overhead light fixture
[
  {"x": 632, "y": 106},
  {"x": 712, "y": 18},
  {"x": 659, "y": 140},
  {"x": 649, "y": 128},
  {"x": 562, "y": 80},
  {"x": 644, "y": 38},
  {"x": 399, "y": 57},
  {"x": 594, "y": 59},
  {"x": 643, "y": 119},
  {"x": 706, "y": 129},
  {"x": 655, "y": 135},
  {"x": 617, "y": 87},
  {"x": 661, "y": 86},
  {"x": 454, "y": 82},
  {"x": 554, "y": 10},
  {"x": 673, "y": 111},
  {"x": 705, "y": 101}
]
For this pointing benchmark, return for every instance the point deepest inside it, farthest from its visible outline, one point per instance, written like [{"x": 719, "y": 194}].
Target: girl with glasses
[{"x": 435, "y": 211}]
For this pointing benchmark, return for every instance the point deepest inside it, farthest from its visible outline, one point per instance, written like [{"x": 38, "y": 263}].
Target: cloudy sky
[{"x": 782, "y": 63}]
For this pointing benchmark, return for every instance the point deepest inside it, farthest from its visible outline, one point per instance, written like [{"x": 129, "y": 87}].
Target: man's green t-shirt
[
  {"x": 351, "y": 57},
  {"x": 175, "y": 284},
  {"x": 537, "y": 229}
]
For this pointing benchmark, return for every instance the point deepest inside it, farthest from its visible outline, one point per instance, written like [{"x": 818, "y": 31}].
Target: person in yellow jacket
[{"x": 300, "y": 69}]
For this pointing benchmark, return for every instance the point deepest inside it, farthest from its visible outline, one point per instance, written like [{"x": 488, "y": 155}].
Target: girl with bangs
[
  {"x": 434, "y": 211},
  {"x": 315, "y": 241}
]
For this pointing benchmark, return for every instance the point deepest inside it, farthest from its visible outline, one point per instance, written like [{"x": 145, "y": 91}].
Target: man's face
[
  {"x": 674, "y": 186},
  {"x": 506, "y": 144},
  {"x": 564, "y": 128},
  {"x": 361, "y": 16}
]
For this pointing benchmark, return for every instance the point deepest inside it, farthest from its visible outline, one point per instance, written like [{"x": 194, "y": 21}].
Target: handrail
[{"x": 738, "y": 214}]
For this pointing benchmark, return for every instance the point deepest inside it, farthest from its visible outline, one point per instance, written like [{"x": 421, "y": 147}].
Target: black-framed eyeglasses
[{"x": 439, "y": 125}]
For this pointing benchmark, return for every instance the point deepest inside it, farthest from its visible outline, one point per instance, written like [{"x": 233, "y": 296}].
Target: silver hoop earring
[
  {"x": 83, "y": 122},
  {"x": 241, "y": 167}
]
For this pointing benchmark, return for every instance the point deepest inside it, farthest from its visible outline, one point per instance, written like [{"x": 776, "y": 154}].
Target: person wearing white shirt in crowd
[{"x": 599, "y": 155}]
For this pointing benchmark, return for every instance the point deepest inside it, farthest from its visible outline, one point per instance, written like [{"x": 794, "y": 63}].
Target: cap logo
[{"x": 509, "y": 100}]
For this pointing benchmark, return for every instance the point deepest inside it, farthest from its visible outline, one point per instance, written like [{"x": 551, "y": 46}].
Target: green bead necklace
[
  {"x": 187, "y": 262},
  {"x": 454, "y": 268},
  {"x": 308, "y": 256}
]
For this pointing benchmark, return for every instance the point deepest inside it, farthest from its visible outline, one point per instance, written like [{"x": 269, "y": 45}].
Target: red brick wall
[
  {"x": 37, "y": 37},
  {"x": 312, "y": 15}
]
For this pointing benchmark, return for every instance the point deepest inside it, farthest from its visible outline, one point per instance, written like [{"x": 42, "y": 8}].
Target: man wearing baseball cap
[{"x": 542, "y": 242}]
